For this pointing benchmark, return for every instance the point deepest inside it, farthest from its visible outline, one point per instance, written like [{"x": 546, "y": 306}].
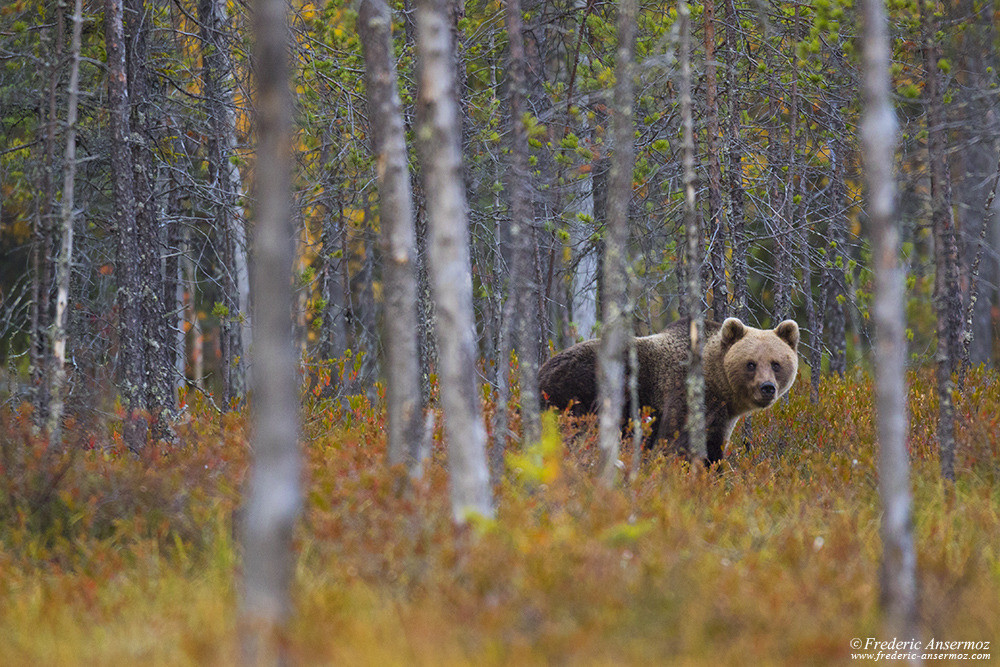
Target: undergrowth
[{"x": 109, "y": 558}]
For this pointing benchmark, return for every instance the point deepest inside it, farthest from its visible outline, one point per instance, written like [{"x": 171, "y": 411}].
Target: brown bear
[{"x": 746, "y": 369}]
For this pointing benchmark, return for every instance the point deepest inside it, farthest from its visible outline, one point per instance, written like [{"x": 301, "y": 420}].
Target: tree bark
[
  {"x": 616, "y": 321},
  {"x": 523, "y": 286},
  {"x": 697, "y": 442},
  {"x": 946, "y": 294},
  {"x": 399, "y": 245},
  {"x": 878, "y": 141},
  {"x": 734, "y": 162},
  {"x": 128, "y": 261},
  {"x": 157, "y": 388},
  {"x": 439, "y": 135},
  {"x": 64, "y": 263},
  {"x": 716, "y": 230},
  {"x": 835, "y": 282},
  {"x": 226, "y": 185},
  {"x": 970, "y": 311},
  {"x": 274, "y": 494}
]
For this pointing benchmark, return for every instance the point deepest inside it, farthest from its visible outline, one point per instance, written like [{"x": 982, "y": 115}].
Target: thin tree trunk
[
  {"x": 64, "y": 264},
  {"x": 523, "y": 287},
  {"x": 128, "y": 264},
  {"x": 878, "y": 140},
  {"x": 399, "y": 244},
  {"x": 945, "y": 250},
  {"x": 697, "y": 443},
  {"x": 274, "y": 495},
  {"x": 716, "y": 230},
  {"x": 737, "y": 233},
  {"x": 616, "y": 320},
  {"x": 439, "y": 131},
  {"x": 227, "y": 189},
  {"x": 835, "y": 282},
  {"x": 776, "y": 195},
  {"x": 970, "y": 310}
]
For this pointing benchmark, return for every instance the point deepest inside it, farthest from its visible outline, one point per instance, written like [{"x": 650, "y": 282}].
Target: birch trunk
[
  {"x": 439, "y": 136},
  {"x": 399, "y": 245},
  {"x": 616, "y": 329},
  {"x": 878, "y": 143},
  {"x": 64, "y": 263},
  {"x": 697, "y": 443},
  {"x": 226, "y": 184},
  {"x": 274, "y": 497}
]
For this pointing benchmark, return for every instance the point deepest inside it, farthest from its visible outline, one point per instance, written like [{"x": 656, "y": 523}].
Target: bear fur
[{"x": 745, "y": 369}]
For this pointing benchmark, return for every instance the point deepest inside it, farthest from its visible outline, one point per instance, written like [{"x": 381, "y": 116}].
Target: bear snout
[{"x": 767, "y": 392}]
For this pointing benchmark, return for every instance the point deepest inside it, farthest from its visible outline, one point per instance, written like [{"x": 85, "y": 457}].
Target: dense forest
[{"x": 254, "y": 269}]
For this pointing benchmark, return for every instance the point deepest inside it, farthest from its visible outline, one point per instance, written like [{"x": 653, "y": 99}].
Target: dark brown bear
[{"x": 746, "y": 369}]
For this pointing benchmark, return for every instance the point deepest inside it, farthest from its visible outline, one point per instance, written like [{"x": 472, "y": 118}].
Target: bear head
[{"x": 759, "y": 364}]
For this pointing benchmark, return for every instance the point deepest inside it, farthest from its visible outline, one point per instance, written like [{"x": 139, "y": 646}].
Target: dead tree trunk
[
  {"x": 128, "y": 262},
  {"x": 226, "y": 185},
  {"x": 157, "y": 388},
  {"x": 878, "y": 142},
  {"x": 946, "y": 293},
  {"x": 716, "y": 230},
  {"x": 274, "y": 496},
  {"x": 970, "y": 311},
  {"x": 439, "y": 133},
  {"x": 615, "y": 316},
  {"x": 734, "y": 164},
  {"x": 399, "y": 245}
]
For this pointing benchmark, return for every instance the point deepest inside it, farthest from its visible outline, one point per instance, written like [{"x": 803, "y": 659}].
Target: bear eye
[
  {"x": 775, "y": 366},
  {"x": 751, "y": 365}
]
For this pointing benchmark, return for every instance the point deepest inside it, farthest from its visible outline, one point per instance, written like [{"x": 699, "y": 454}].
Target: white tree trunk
[
  {"x": 64, "y": 263},
  {"x": 404, "y": 409},
  {"x": 274, "y": 496},
  {"x": 878, "y": 144},
  {"x": 616, "y": 325},
  {"x": 581, "y": 228},
  {"x": 438, "y": 133},
  {"x": 697, "y": 444}
]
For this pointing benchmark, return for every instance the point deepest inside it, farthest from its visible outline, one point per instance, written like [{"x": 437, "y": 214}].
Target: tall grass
[{"x": 107, "y": 558}]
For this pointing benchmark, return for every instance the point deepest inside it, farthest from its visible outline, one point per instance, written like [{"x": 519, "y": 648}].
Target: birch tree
[
  {"x": 274, "y": 497},
  {"x": 439, "y": 136},
  {"x": 404, "y": 409},
  {"x": 226, "y": 192},
  {"x": 878, "y": 143},
  {"x": 616, "y": 326},
  {"x": 697, "y": 444},
  {"x": 64, "y": 262}
]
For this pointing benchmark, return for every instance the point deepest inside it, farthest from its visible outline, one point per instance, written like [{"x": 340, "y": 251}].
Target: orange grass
[{"x": 109, "y": 559}]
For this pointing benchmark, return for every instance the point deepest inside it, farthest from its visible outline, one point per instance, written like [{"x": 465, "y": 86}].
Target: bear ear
[
  {"x": 788, "y": 331},
  {"x": 732, "y": 330}
]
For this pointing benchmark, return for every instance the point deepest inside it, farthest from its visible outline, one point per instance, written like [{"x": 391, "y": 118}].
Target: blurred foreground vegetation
[{"x": 109, "y": 559}]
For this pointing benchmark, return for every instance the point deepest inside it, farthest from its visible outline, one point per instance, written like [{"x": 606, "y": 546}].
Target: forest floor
[{"x": 111, "y": 559}]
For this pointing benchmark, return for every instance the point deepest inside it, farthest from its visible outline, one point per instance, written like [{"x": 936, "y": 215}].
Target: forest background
[{"x": 156, "y": 319}]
